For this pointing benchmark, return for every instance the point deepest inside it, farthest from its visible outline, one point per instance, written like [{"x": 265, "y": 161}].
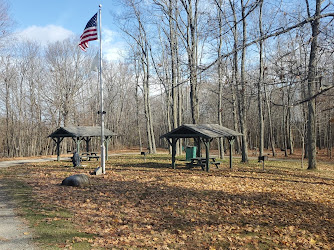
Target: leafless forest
[{"x": 264, "y": 68}]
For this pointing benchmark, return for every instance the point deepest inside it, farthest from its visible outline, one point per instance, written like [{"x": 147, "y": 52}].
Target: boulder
[{"x": 78, "y": 180}]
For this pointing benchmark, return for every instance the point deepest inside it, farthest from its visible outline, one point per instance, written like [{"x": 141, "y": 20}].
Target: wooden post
[
  {"x": 207, "y": 154},
  {"x": 198, "y": 145},
  {"x": 58, "y": 148},
  {"x": 87, "y": 139},
  {"x": 173, "y": 145},
  {"x": 77, "y": 141},
  {"x": 108, "y": 138},
  {"x": 231, "y": 141},
  {"x": 174, "y": 140},
  {"x": 58, "y": 141}
]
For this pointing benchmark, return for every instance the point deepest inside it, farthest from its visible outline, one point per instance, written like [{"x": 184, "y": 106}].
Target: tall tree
[
  {"x": 242, "y": 88},
  {"x": 191, "y": 41},
  {"x": 170, "y": 63},
  {"x": 235, "y": 70},
  {"x": 64, "y": 64},
  {"x": 311, "y": 83},
  {"x": 260, "y": 84},
  {"x": 140, "y": 35},
  {"x": 220, "y": 65}
]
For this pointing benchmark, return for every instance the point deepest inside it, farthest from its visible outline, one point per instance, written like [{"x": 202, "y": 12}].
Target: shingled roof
[
  {"x": 201, "y": 130},
  {"x": 80, "y": 131}
]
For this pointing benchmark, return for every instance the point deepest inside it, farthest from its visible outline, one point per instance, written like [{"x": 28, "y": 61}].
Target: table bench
[
  {"x": 201, "y": 162},
  {"x": 97, "y": 157},
  {"x": 89, "y": 155}
]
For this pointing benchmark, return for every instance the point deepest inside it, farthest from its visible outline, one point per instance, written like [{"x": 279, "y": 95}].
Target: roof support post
[
  {"x": 173, "y": 145},
  {"x": 77, "y": 141},
  {"x": 58, "y": 141},
  {"x": 231, "y": 142},
  {"x": 198, "y": 144},
  {"x": 107, "y": 141},
  {"x": 174, "y": 140},
  {"x": 207, "y": 153},
  {"x": 87, "y": 140}
]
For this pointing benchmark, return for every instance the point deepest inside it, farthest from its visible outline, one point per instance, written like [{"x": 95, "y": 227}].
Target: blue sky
[{"x": 49, "y": 21}]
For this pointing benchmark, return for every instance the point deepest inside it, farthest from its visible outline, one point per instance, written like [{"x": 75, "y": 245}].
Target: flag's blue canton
[{"x": 92, "y": 22}]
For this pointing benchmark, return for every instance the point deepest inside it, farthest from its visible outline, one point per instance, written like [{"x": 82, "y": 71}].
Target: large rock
[{"x": 78, "y": 180}]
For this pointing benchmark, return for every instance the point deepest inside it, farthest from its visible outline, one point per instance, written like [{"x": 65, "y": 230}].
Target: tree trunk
[
  {"x": 242, "y": 91},
  {"x": 191, "y": 44},
  {"x": 172, "y": 39},
  {"x": 137, "y": 108},
  {"x": 272, "y": 140},
  {"x": 220, "y": 80},
  {"x": 235, "y": 76},
  {"x": 311, "y": 80},
  {"x": 260, "y": 83}
]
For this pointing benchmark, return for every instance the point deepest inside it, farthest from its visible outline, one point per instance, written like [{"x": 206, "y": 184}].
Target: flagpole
[{"x": 103, "y": 163}]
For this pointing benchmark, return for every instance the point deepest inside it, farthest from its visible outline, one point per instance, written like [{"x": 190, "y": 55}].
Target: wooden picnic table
[
  {"x": 201, "y": 162},
  {"x": 89, "y": 155}
]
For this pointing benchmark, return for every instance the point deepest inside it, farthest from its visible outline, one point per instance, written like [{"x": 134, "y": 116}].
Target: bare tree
[
  {"x": 140, "y": 36},
  {"x": 242, "y": 88},
  {"x": 260, "y": 84},
  {"x": 190, "y": 36},
  {"x": 64, "y": 62},
  {"x": 311, "y": 83}
]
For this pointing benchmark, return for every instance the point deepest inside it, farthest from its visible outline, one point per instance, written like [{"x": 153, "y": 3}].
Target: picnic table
[
  {"x": 201, "y": 162},
  {"x": 89, "y": 155}
]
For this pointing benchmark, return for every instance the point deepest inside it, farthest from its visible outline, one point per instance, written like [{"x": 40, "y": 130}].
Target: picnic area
[{"x": 145, "y": 203}]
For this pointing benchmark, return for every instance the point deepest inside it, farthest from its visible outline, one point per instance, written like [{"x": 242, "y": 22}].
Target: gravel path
[
  {"x": 14, "y": 232},
  {"x": 5, "y": 164}
]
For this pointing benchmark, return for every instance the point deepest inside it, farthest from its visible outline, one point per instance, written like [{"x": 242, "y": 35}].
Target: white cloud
[
  {"x": 44, "y": 35},
  {"x": 113, "y": 47}
]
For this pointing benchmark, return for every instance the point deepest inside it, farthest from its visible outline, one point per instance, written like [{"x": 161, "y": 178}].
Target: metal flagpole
[{"x": 103, "y": 163}]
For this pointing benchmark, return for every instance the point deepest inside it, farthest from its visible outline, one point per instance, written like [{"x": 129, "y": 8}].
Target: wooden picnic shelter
[
  {"x": 79, "y": 134},
  {"x": 200, "y": 133}
]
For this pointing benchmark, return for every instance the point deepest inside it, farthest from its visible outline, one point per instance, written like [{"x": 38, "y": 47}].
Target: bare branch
[{"x": 305, "y": 100}]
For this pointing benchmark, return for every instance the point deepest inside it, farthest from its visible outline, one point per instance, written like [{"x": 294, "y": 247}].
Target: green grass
[{"x": 52, "y": 227}]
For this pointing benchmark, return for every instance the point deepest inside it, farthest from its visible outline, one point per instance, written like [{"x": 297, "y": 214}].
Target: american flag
[{"x": 89, "y": 33}]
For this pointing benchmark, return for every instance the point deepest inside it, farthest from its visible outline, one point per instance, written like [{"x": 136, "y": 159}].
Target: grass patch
[{"x": 53, "y": 227}]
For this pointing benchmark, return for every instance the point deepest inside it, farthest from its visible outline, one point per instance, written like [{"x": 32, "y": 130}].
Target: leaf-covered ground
[{"x": 146, "y": 204}]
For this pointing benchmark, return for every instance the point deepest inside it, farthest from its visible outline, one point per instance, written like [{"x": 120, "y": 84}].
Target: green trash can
[{"x": 190, "y": 153}]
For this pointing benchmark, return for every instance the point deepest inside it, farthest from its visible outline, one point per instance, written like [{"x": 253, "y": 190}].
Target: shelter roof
[
  {"x": 80, "y": 131},
  {"x": 201, "y": 130}
]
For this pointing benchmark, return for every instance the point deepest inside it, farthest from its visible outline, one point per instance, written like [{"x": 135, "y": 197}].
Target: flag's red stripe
[
  {"x": 89, "y": 30},
  {"x": 84, "y": 45},
  {"x": 81, "y": 47},
  {"x": 88, "y": 35},
  {"x": 87, "y": 39},
  {"x": 86, "y": 42}
]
